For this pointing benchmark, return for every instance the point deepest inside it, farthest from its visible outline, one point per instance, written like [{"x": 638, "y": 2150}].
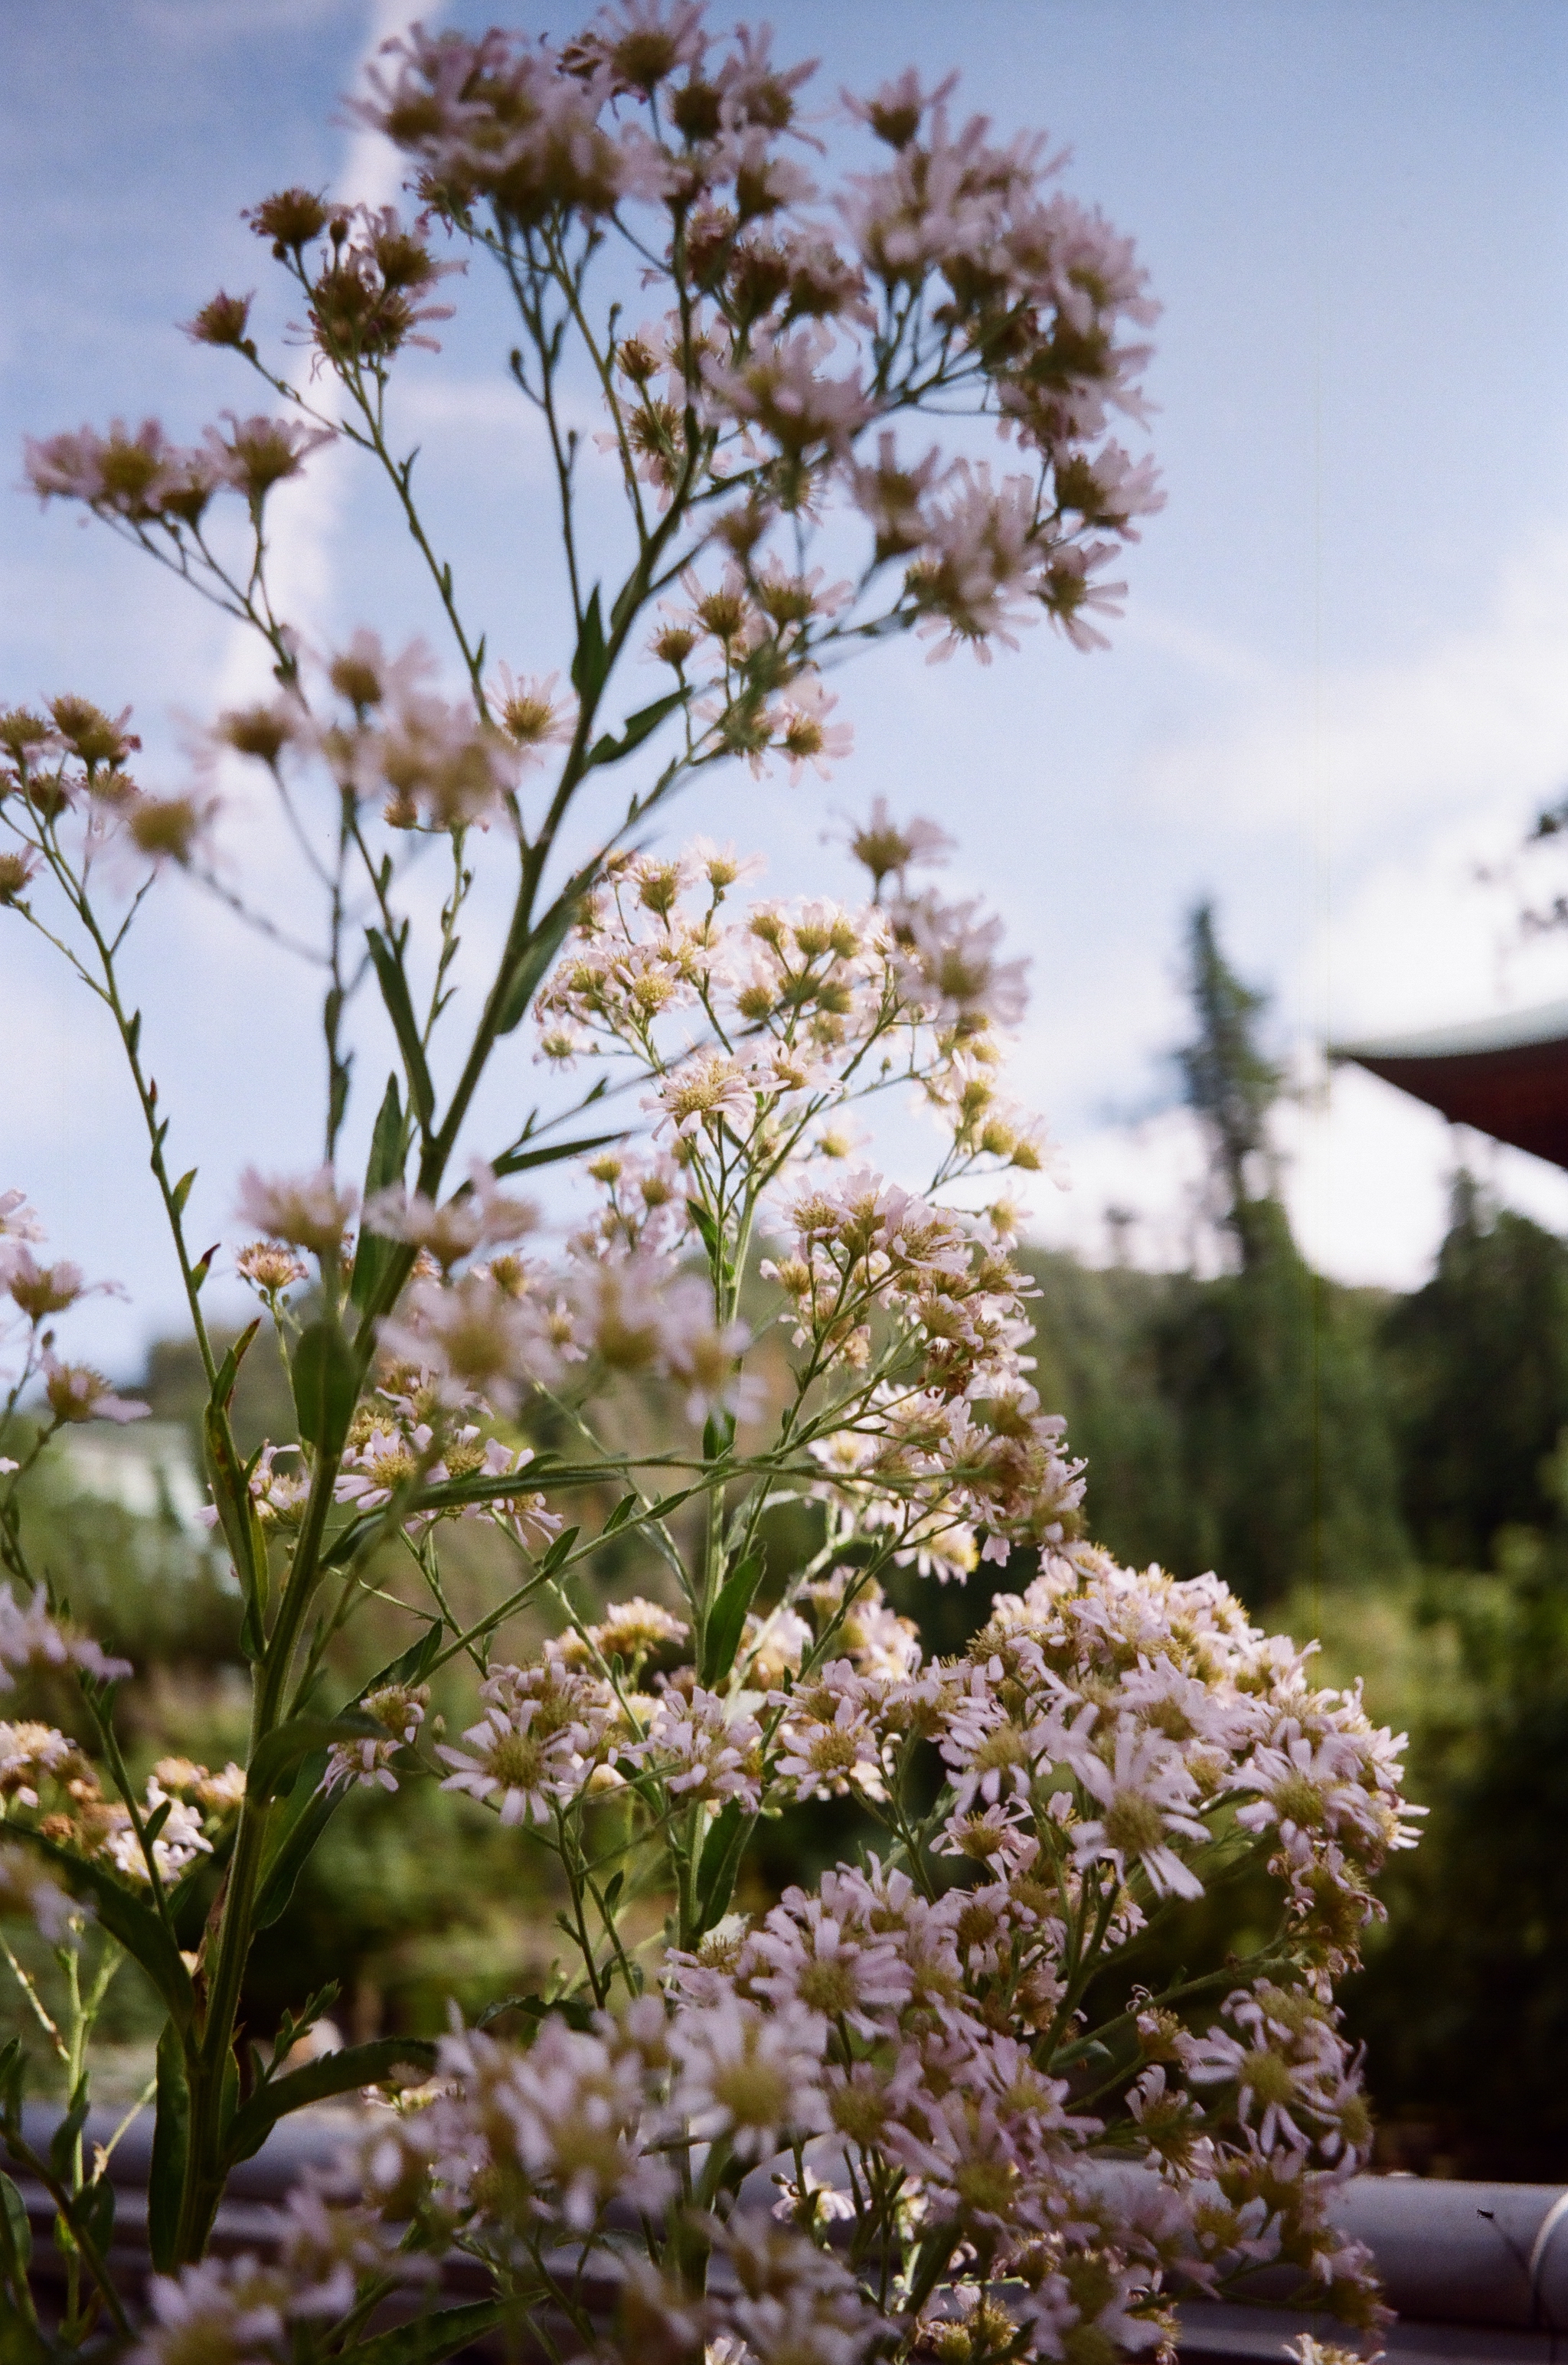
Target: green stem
[{"x": 213, "y": 2057}]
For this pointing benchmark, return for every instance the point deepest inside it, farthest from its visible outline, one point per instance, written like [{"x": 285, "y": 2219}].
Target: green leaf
[
  {"x": 290, "y": 2030},
  {"x": 432, "y": 2338},
  {"x": 451, "y": 1495},
  {"x": 635, "y": 729},
  {"x": 16, "y": 2234},
  {"x": 191, "y": 1901},
  {"x": 576, "y": 2010},
  {"x": 20, "y": 2343},
  {"x": 631, "y": 592},
  {"x": 62, "y": 2143},
  {"x": 325, "y": 1385},
  {"x": 171, "y": 2138},
  {"x": 124, "y": 1916},
  {"x": 301, "y": 1820},
  {"x": 624, "y": 1510},
  {"x": 394, "y": 987},
  {"x": 298, "y": 1824},
  {"x": 719, "y": 1863},
  {"x": 590, "y": 662},
  {"x": 280, "y": 1753},
  {"x": 721, "y": 1634},
  {"x": 224, "y": 1384},
  {"x": 559, "y": 1551},
  {"x": 252, "y": 1636},
  {"x": 335, "y": 2073},
  {"x": 707, "y": 1228},
  {"x": 13, "y": 2081},
  {"x": 230, "y": 1484},
  {"x": 548, "y": 1153},
  {"x": 537, "y": 951},
  {"x": 94, "y": 2211},
  {"x": 389, "y": 1150},
  {"x": 1082, "y": 2049},
  {"x": 182, "y": 1191}
]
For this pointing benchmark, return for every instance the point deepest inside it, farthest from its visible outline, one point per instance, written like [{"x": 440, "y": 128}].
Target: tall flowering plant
[{"x": 926, "y": 2105}]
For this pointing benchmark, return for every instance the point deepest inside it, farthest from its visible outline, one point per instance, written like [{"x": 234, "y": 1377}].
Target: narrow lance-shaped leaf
[
  {"x": 20, "y": 2343},
  {"x": 517, "y": 1161},
  {"x": 325, "y": 1385},
  {"x": 726, "y": 1620},
  {"x": 299, "y": 1823},
  {"x": 171, "y": 2137},
  {"x": 432, "y": 2338},
  {"x": 590, "y": 661},
  {"x": 536, "y": 954},
  {"x": 124, "y": 1916},
  {"x": 394, "y": 987},
  {"x": 635, "y": 729},
  {"x": 573, "y": 2010},
  {"x": 389, "y": 1150},
  {"x": 62, "y": 2142},
  {"x": 559, "y": 1552},
  {"x": 279, "y": 1755},
  {"x": 230, "y": 1487},
  {"x": 342, "y": 2072},
  {"x": 719, "y": 1863}
]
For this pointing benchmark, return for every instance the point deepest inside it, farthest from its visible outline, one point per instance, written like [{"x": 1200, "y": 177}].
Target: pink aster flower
[
  {"x": 754, "y": 2076},
  {"x": 307, "y": 1211},
  {"x": 1146, "y": 1795},
  {"x": 75, "y": 1392}
]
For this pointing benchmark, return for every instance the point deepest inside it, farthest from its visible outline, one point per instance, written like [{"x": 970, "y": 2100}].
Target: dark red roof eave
[{"x": 1515, "y": 1091}]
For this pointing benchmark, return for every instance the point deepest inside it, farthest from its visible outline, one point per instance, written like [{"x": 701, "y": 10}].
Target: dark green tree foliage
[
  {"x": 1235, "y": 1423},
  {"x": 1475, "y": 2058},
  {"x": 1231, "y": 1088},
  {"x": 1287, "y": 1467},
  {"x": 1476, "y": 2061},
  {"x": 1478, "y": 1375},
  {"x": 1097, "y": 1362}
]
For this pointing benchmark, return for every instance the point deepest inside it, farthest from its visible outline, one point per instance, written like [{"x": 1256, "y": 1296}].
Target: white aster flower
[
  {"x": 752, "y": 2076},
  {"x": 307, "y": 1211}
]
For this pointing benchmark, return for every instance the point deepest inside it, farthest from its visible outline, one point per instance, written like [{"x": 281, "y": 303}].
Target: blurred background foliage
[{"x": 1387, "y": 1473}]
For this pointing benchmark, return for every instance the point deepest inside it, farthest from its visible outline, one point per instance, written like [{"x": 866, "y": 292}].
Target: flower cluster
[
  {"x": 32, "y": 1636},
  {"x": 327, "y": 2249},
  {"x": 48, "y": 1786},
  {"x": 72, "y": 810},
  {"x": 924, "y": 2106},
  {"x": 143, "y": 477},
  {"x": 797, "y": 330},
  {"x": 1108, "y": 1740}
]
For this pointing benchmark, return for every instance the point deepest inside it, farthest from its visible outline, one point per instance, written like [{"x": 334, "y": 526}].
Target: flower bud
[
  {"x": 222, "y": 322},
  {"x": 23, "y": 735},
  {"x": 89, "y": 732},
  {"x": 291, "y": 218},
  {"x": 259, "y": 731},
  {"x": 165, "y": 828},
  {"x": 15, "y": 870}
]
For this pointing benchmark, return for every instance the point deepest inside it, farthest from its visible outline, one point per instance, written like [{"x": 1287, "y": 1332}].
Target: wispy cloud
[
  {"x": 1476, "y": 719},
  {"x": 308, "y": 524}
]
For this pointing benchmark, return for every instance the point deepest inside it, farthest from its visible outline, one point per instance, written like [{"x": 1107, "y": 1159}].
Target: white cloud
[
  {"x": 305, "y": 524},
  {"x": 1401, "y": 783},
  {"x": 1480, "y": 716}
]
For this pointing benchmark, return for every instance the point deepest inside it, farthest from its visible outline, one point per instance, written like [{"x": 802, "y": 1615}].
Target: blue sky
[{"x": 1339, "y": 686}]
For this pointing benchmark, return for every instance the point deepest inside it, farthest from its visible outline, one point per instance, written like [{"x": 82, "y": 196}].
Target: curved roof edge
[{"x": 1513, "y": 1030}]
